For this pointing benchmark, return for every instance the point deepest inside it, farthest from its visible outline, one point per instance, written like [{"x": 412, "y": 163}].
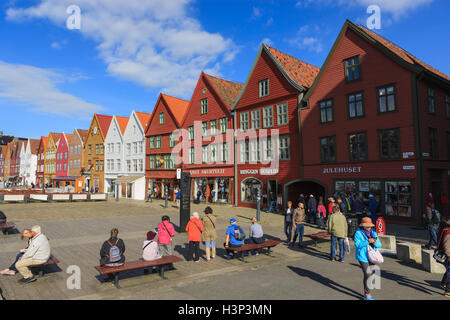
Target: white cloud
[
  {"x": 153, "y": 43},
  {"x": 36, "y": 87},
  {"x": 268, "y": 41},
  {"x": 305, "y": 39},
  {"x": 256, "y": 13}
]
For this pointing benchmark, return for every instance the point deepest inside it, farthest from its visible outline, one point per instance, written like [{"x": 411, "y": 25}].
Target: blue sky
[{"x": 126, "y": 52}]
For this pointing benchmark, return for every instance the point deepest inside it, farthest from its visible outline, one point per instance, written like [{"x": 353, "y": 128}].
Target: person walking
[
  {"x": 298, "y": 221},
  {"x": 331, "y": 201},
  {"x": 444, "y": 245},
  {"x": 209, "y": 233},
  {"x": 273, "y": 203},
  {"x": 366, "y": 236},
  {"x": 338, "y": 229},
  {"x": 322, "y": 214},
  {"x": 177, "y": 197},
  {"x": 432, "y": 219},
  {"x": 166, "y": 232},
  {"x": 342, "y": 205},
  {"x": 194, "y": 228},
  {"x": 288, "y": 213},
  {"x": 312, "y": 209}
]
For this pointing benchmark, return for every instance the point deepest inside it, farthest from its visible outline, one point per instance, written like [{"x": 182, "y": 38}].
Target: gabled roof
[
  {"x": 392, "y": 50},
  {"x": 34, "y": 145},
  {"x": 227, "y": 90},
  {"x": 68, "y": 137},
  {"x": 103, "y": 122},
  {"x": 44, "y": 141},
  {"x": 82, "y": 134},
  {"x": 122, "y": 122},
  {"x": 177, "y": 107},
  {"x": 55, "y": 137},
  {"x": 400, "y": 52},
  {"x": 300, "y": 74},
  {"x": 144, "y": 119}
]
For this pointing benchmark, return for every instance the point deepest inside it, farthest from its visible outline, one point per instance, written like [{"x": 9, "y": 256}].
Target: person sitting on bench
[
  {"x": 26, "y": 233},
  {"x": 111, "y": 253},
  {"x": 38, "y": 253},
  {"x": 150, "y": 249},
  {"x": 235, "y": 236},
  {"x": 2, "y": 217},
  {"x": 256, "y": 235}
]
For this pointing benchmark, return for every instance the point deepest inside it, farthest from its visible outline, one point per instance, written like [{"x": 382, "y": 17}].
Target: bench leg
[
  {"x": 161, "y": 272},
  {"x": 41, "y": 271},
  {"x": 269, "y": 251},
  {"x": 116, "y": 280}
]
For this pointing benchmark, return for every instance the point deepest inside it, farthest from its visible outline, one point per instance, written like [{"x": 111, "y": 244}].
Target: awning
[
  {"x": 65, "y": 178},
  {"x": 127, "y": 179}
]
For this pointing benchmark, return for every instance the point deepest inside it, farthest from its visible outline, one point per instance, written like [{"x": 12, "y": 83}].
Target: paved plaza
[{"x": 77, "y": 230}]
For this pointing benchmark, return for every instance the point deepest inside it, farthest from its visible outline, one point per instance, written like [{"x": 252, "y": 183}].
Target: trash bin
[{"x": 352, "y": 221}]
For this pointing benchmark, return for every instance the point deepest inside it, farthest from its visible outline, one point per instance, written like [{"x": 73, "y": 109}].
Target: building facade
[
  {"x": 94, "y": 155},
  {"x": 161, "y": 159},
  {"x": 40, "y": 169},
  {"x": 62, "y": 178},
  {"x": 50, "y": 158},
  {"x": 209, "y": 148},
  {"x": 28, "y": 161},
  {"x": 374, "y": 122},
  {"x": 267, "y": 131}
]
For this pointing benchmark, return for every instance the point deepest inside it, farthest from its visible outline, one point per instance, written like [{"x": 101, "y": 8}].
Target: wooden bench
[
  {"x": 7, "y": 226},
  {"x": 139, "y": 264},
  {"x": 269, "y": 244},
  {"x": 318, "y": 236},
  {"x": 41, "y": 267}
]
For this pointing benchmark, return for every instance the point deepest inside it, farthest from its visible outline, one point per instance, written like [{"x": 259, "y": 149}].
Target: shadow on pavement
[
  {"x": 326, "y": 282},
  {"x": 313, "y": 252},
  {"x": 404, "y": 281}
]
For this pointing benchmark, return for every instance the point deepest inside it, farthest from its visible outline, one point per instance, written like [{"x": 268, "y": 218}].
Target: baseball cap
[{"x": 232, "y": 220}]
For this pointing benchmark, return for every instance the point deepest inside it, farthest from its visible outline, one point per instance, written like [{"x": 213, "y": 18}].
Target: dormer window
[{"x": 352, "y": 69}]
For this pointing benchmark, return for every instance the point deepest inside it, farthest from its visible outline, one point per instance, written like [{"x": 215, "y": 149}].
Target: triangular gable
[
  {"x": 298, "y": 73},
  {"x": 82, "y": 134},
  {"x": 143, "y": 118},
  {"x": 172, "y": 105},
  {"x": 122, "y": 123},
  {"x": 103, "y": 122}
]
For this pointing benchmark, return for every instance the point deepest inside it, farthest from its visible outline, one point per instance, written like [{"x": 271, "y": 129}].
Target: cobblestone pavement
[{"x": 77, "y": 230}]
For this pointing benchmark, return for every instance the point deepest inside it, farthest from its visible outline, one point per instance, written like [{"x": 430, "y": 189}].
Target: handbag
[
  {"x": 375, "y": 257},
  {"x": 347, "y": 245},
  {"x": 440, "y": 256}
]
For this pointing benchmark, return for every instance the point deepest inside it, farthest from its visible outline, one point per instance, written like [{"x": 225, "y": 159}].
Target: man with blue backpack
[{"x": 235, "y": 236}]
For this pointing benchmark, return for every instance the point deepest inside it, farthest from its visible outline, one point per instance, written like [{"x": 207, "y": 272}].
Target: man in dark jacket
[
  {"x": 342, "y": 206},
  {"x": 312, "y": 209},
  {"x": 432, "y": 219},
  {"x": 105, "y": 259}
]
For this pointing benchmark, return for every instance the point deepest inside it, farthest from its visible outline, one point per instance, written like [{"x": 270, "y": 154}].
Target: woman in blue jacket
[{"x": 363, "y": 237}]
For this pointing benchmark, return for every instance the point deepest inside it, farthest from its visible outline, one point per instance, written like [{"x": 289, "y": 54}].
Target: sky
[{"x": 56, "y": 70}]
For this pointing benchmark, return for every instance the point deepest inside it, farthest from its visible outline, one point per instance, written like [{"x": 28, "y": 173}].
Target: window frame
[
  {"x": 264, "y": 126},
  {"x": 326, "y": 109},
  {"x": 349, "y": 117},
  {"x": 280, "y": 123},
  {"x": 380, "y": 154},
  {"x": 203, "y": 106},
  {"x": 161, "y": 118},
  {"x": 395, "y": 99},
  {"x": 260, "y": 95},
  {"x": 252, "y": 112},
  {"x": 335, "y": 149},
  {"x": 247, "y": 122},
  {"x": 431, "y": 98},
  {"x": 288, "y": 138},
  {"x": 351, "y": 67},
  {"x": 350, "y": 158}
]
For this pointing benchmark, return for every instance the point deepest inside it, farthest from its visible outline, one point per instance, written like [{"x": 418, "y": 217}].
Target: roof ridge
[
  {"x": 231, "y": 81},
  {"x": 168, "y": 95},
  {"x": 286, "y": 54}
]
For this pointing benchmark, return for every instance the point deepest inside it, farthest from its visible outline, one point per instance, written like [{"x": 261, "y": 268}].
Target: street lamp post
[
  {"x": 258, "y": 204},
  {"x": 167, "y": 195}
]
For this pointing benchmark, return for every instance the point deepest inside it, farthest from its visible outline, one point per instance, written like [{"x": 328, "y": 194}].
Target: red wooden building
[
  {"x": 62, "y": 177},
  {"x": 160, "y": 165},
  {"x": 266, "y": 120},
  {"x": 377, "y": 121},
  {"x": 208, "y": 147}
]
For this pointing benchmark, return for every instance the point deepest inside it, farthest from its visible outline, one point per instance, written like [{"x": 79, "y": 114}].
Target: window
[
  {"x": 70, "y": 164},
  {"x": 141, "y": 146},
  {"x": 249, "y": 190},
  {"x": 244, "y": 151},
  {"x": 398, "y": 198},
  {"x": 128, "y": 165},
  {"x": 118, "y": 147},
  {"x": 204, "y": 106},
  {"x": 112, "y": 147},
  {"x": 224, "y": 152},
  {"x": 283, "y": 148},
  {"x": 282, "y": 114},
  {"x": 447, "y": 106},
  {"x": 191, "y": 155},
  {"x": 205, "y": 154},
  {"x": 101, "y": 165},
  {"x": 191, "y": 132},
  {"x": 213, "y": 125},
  {"x": 108, "y": 147},
  {"x": 386, "y": 99},
  {"x": 352, "y": 69},
  {"x": 135, "y": 147},
  {"x": 158, "y": 142},
  {"x": 128, "y": 148},
  {"x": 204, "y": 129},
  {"x": 223, "y": 125},
  {"x": 256, "y": 119},
  {"x": 152, "y": 162},
  {"x": 112, "y": 164},
  {"x": 135, "y": 166},
  {"x": 168, "y": 162},
  {"x": 152, "y": 142},
  {"x": 431, "y": 105},
  {"x": 159, "y": 162},
  {"x": 101, "y": 149},
  {"x": 434, "y": 145},
  {"x": 71, "y": 150},
  {"x": 267, "y": 148},
  {"x": 244, "y": 121},
  {"x": 255, "y": 152},
  {"x": 97, "y": 149},
  {"x": 118, "y": 164},
  {"x": 357, "y": 146},
  {"x": 214, "y": 153},
  {"x": 268, "y": 117},
  {"x": 96, "y": 165},
  {"x": 328, "y": 149},
  {"x": 65, "y": 155},
  {"x": 264, "y": 88},
  {"x": 89, "y": 149},
  {"x": 326, "y": 111},
  {"x": 171, "y": 140},
  {"x": 161, "y": 118},
  {"x": 355, "y": 105},
  {"x": 389, "y": 142}
]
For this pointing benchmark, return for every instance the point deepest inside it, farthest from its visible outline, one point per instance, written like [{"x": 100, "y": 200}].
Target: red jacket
[
  {"x": 194, "y": 229},
  {"x": 166, "y": 232}
]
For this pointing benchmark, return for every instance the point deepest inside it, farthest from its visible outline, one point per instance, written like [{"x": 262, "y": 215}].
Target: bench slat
[
  {"x": 253, "y": 246},
  {"x": 139, "y": 264},
  {"x": 7, "y": 225}
]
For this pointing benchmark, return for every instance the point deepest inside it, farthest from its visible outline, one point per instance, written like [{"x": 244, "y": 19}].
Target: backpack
[
  {"x": 114, "y": 252},
  {"x": 238, "y": 233}
]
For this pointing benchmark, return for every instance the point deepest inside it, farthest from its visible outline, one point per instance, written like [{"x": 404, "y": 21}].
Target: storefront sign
[
  {"x": 268, "y": 171},
  {"x": 406, "y": 155},
  {"x": 178, "y": 174},
  {"x": 342, "y": 170},
  {"x": 254, "y": 171},
  {"x": 409, "y": 167},
  {"x": 381, "y": 226},
  {"x": 214, "y": 172}
]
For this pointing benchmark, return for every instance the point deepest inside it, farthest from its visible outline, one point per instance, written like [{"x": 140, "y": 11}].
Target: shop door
[
  {"x": 124, "y": 189},
  {"x": 436, "y": 189},
  {"x": 130, "y": 191}
]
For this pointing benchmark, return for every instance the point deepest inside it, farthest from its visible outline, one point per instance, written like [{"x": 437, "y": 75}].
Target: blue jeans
[
  {"x": 273, "y": 205},
  {"x": 288, "y": 230},
  {"x": 433, "y": 235},
  {"x": 299, "y": 230},
  {"x": 335, "y": 239},
  {"x": 13, "y": 266}
]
